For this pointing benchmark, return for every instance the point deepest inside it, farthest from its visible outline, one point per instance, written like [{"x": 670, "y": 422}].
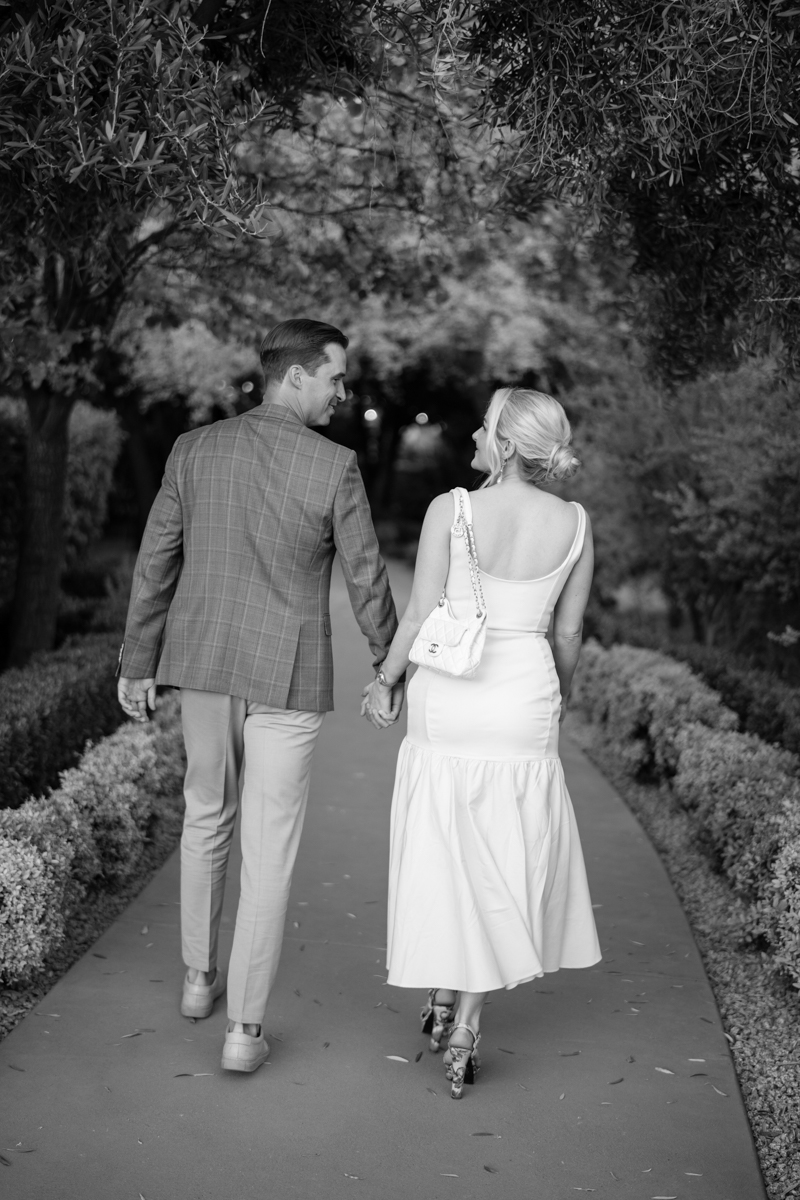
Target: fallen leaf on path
[
  {"x": 503, "y": 1050},
  {"x": 694, "y": 1174},
  {"x": 419, "y": 1056},
  {"x": 183, "y": 1075},
  {"x": 199, "y": 1074},
  {"x": 563, "y": 1094},
  {"x": 621, "y": 1079},
  {"x": 325, "y": 1045},
  {"x": 630, "y": 1058},
  {"x": 665, "y": 1198},
  {"x": 345, "y": 1174},
  {"x": 522, "y": 1085},
  {"x": 719, "y": 1093},
  {"x": 13, "y": 1068},
  {"x": 636, "y": 943},
  {"x": 352, "y": 916},
  {"x": 319, "y": 1002},
  {"x": 447, "y": 1175},
  {"x": 130, "y": 1035},
  {"x": 665, "y": 1071},
  {"x": 145, "y": 929},
  {"x": 707, "y": 1020},
  {"x": 698, "y": 1074},
  {"x": 5, "y": 1161},
  {"x": 396, "y": 1058},
  {"x": 491, "y": 1170},
  {"x": 494, "y": 1135},
  {"x": 96, "y": 955},
  {"x": 297, "y": 991},
  {"x": 697, "y": 1060},
  {"x": 568, "y": 1053}
]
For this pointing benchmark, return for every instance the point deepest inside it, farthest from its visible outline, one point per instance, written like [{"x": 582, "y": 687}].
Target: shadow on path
[{"x": 614, "y": 1080}]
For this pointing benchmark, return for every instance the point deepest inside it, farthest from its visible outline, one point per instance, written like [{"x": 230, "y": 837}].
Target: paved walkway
[{"x": 615, "y": 1080}]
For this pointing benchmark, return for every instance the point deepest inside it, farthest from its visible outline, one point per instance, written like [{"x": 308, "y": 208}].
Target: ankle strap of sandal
[{"x": 469, "y": 1029}]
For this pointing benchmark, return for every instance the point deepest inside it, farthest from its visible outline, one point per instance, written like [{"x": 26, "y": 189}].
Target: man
[{"x": 230, "y": 603}]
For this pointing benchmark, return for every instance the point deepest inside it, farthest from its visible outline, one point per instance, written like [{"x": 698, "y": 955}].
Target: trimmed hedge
[
  {"x": 49, "y": 708},
  {"x": 85, "y": 836},
  {"x": 765, "y": 705},
  {"x": 743, "y": 794}
]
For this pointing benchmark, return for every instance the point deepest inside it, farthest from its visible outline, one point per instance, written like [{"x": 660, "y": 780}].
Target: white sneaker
[
  {"x": 243, "y": 1052},
  {"x": 198, "y": 998}
]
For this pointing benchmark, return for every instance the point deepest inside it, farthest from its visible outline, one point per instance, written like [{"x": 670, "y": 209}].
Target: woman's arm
[
  {"x": 430, "y": 575},
  {"x": 568, "y": 616}
]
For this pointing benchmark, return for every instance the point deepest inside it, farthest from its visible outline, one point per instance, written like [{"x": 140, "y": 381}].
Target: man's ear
[{"x": 295, "y": 375}]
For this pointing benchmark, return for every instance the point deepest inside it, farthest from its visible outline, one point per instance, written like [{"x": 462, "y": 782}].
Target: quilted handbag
[{"x": 444, "y": 643}]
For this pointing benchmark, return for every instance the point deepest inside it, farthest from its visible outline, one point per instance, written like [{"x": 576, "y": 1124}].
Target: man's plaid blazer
[{"x": 232, "y": 583}]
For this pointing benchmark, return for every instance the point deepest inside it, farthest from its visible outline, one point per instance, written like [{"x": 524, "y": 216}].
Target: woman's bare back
[{"x": 521, "y": 532}]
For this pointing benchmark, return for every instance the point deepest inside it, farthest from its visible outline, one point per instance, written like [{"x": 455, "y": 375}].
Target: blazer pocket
[{"x": 326, "y": 623}]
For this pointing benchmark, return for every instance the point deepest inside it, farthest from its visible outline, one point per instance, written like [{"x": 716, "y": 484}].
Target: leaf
[
  {"x": 613, "y": 1081},
  {"x": 504, "y": 1051},
  {"x": 419, "y": 1056},
  {"x": 396, "y": 1058},
  {"x": 325, "y": 1046},
  {"x": 491, "y": 1170},
  {"x": 183, "y": 1075},
  {"x": 707, "y": 1020},
  {"x": 6, "y": 1162},
  {"x": 446, "y": 1174},
  {"x": 719, "y": 1093},
  {"x": 131, "y": 1035},
  {"x": 14, "y": 1068},
  {"x": 432, "y": 1092},
  {"x": 665, "y": 1071},
  {"x": 697, "y": 1074},
  {"x": 568, "y": 1053},
  {"x": 494, "y": 1135},
  {"x": 145, "y": 929},
  {"x": 96, "y": 955},
  {"x": 563, "y": 1094}
]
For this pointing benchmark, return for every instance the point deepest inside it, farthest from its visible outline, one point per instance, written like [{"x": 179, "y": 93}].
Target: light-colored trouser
[{"x": 237, "y": 748}]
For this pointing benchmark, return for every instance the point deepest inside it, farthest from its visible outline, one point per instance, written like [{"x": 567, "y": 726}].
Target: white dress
[{"x": 487, "y": 884}]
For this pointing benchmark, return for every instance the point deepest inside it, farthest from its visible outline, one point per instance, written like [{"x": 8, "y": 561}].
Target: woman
[{"x": 487, "y": 885}]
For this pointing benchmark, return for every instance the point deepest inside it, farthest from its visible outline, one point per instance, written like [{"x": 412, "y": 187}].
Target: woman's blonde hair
[{"x": 540, "y": 431}]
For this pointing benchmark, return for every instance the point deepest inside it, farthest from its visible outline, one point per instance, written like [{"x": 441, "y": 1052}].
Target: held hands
[
  {"x": 136, "y": 696},
  {"x": 382, "y": 705}
]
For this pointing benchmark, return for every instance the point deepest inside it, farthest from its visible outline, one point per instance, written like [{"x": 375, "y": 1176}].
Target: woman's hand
[{"x": 381, "y": 705}]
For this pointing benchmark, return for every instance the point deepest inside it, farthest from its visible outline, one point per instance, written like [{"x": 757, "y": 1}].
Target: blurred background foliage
[{"x": 614, "y": 249}]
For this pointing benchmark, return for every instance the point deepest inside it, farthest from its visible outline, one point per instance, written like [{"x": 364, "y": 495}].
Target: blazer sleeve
[
  {"x": 364, "y": 570},
  {"x": 155, "y": 578}
]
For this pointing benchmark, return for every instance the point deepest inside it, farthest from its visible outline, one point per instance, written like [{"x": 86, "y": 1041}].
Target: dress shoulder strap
[{"x": 580, "y": 534}]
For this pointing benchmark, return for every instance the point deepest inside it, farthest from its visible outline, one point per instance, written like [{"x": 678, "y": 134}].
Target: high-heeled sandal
[
  {"x": 461, "y": 1065},
  {"x": 436, "y": 1019}
]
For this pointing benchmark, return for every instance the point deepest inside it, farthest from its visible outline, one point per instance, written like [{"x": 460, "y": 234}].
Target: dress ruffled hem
[{"x": 488, "y": 887}]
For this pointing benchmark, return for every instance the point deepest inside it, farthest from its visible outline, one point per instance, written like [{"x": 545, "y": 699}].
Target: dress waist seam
[{"x": 483, "y": 757}]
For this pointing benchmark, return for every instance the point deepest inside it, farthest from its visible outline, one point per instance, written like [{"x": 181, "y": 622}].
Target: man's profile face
[{"x": 322, "y": 391}]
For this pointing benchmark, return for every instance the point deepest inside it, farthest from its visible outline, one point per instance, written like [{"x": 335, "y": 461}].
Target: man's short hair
[{"x": 300, "y": 343}]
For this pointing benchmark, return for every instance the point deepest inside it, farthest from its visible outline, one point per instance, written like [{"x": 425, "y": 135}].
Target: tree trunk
[{"x": 33, "y": 625}]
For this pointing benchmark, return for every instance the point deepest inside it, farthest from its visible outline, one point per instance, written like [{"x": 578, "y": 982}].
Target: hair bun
[{"x": 563, "y": 462}]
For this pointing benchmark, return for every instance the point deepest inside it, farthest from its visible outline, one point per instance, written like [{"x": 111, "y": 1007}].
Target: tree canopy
[{"x": 674, "y": 125}]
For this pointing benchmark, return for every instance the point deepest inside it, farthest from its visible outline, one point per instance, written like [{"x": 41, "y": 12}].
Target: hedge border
[{"x": 743, "y": 795}]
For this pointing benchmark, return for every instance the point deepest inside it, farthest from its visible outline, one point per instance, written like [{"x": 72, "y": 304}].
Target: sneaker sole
[{"x": 238, "y": 1064}]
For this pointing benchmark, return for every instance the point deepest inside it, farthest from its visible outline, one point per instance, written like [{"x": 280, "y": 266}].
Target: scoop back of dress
[{"x": 487, "y": 884}]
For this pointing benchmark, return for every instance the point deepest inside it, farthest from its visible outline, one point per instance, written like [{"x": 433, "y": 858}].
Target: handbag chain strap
[{"x": 472, "y": 557}]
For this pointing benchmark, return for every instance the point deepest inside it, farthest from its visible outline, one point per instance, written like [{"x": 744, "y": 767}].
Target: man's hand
[
  {"x": 136, "y": 696},
  {"x": 382, "y": 705}
]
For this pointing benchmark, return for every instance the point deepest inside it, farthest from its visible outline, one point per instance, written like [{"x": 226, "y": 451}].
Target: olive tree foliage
[
  {"x": 672, "y": 125},
  {"x": 110, "y": 113}
]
